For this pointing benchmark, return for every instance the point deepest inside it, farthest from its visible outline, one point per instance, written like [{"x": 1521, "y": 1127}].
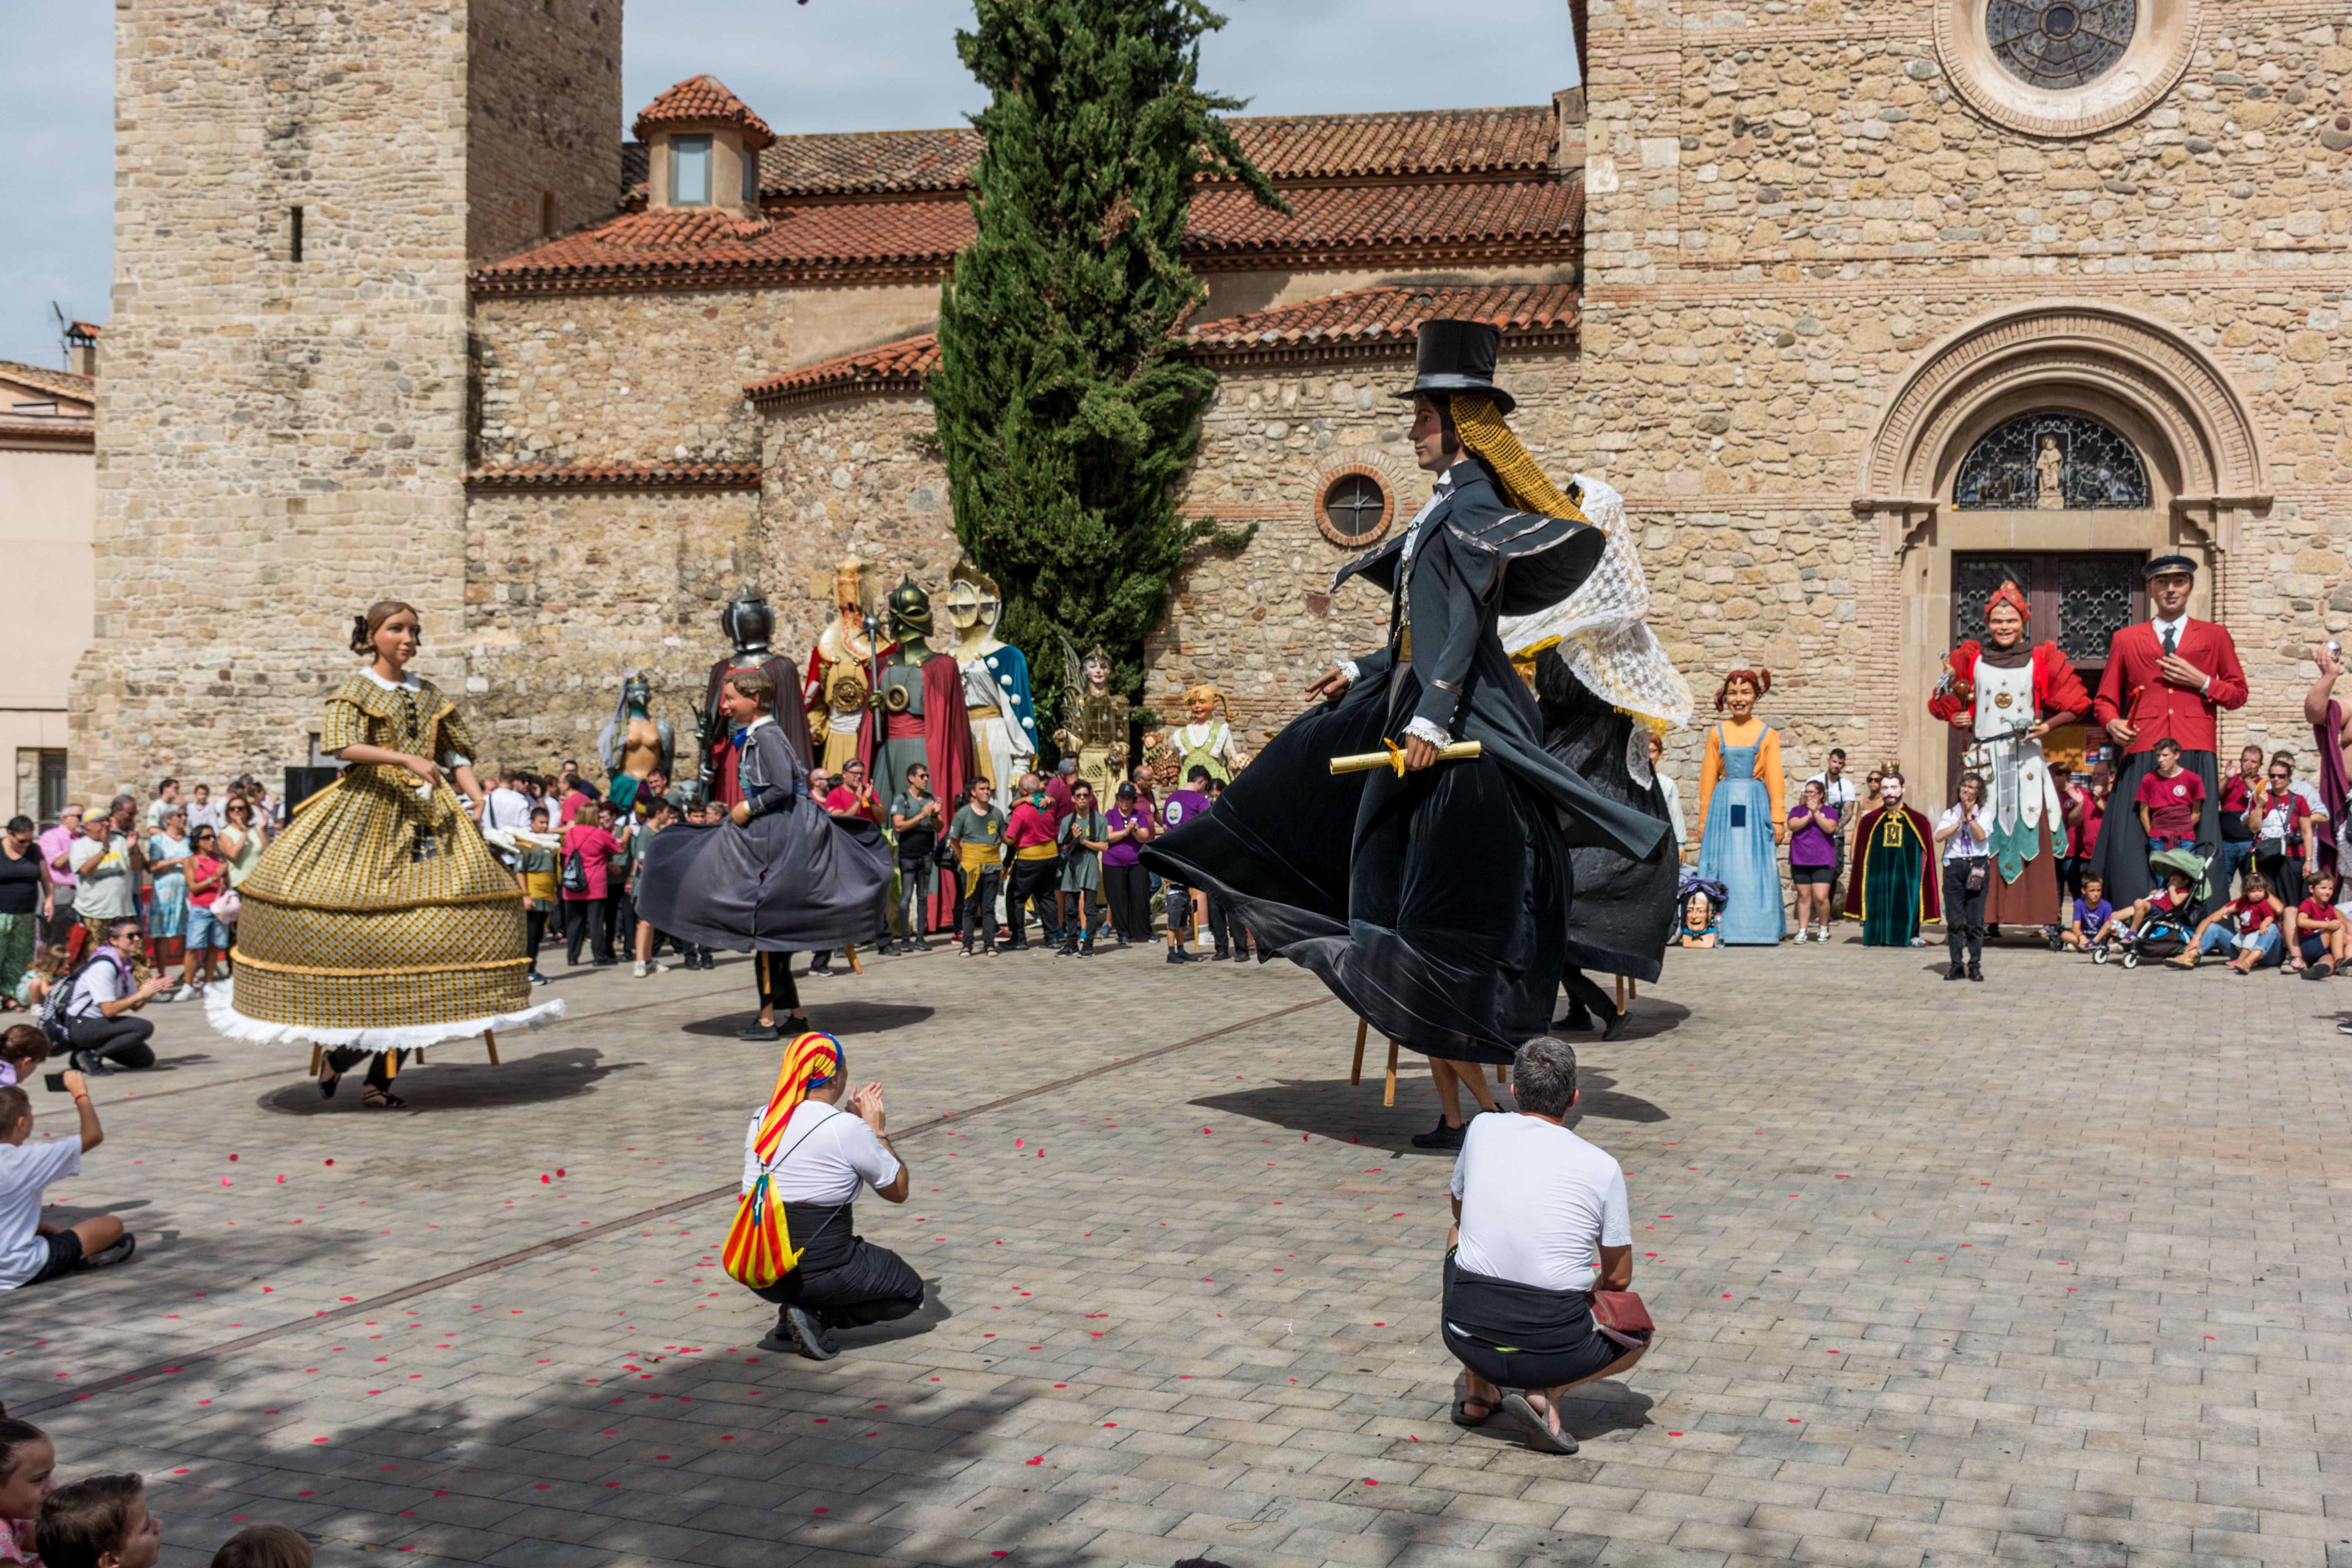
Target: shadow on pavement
[
  {"x": 832, "y": 1017},
  {"x": 1337, "y": 1110},
  {"x": 442, "y": 1084}
]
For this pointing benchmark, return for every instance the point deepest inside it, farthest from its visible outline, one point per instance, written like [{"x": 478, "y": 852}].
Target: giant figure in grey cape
[{"x": 1433, "y": 901}]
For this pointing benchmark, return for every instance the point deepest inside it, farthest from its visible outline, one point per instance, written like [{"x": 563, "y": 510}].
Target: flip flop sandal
[
  {"x": 1532, "y": 1426},
  {"x": 1461, "y": 1416},
  {"x": 382, "y": 1100}
]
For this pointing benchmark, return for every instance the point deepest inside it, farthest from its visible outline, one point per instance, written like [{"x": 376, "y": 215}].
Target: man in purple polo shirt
[
  {"x": 1183, "y": 806},
  {"x": 56, "y": 848}
]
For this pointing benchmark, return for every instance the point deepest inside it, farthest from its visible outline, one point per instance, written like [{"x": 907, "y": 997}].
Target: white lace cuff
[
  {"x": 1425, "y": 730},
  {"x": 1348, "y": 667}
]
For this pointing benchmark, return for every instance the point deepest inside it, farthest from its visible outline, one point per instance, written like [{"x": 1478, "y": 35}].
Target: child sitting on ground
[
  {"x": 2247, "y": 924},
  {"x": 100, "y": 1523},
  {"x": 2317, "y": 942},
  {"x": 28, "y": 1474},
  {"x": 2089, "y": 921},
  {"x": 263, "y": 1546},
  {"x": 35, "y": 987},
  {"x": 22, "y": 1049},
  {"x": 30, "y": 1250}
]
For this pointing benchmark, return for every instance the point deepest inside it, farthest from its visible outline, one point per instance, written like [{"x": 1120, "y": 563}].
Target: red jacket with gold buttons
[{"x": 2134, "y": 687}]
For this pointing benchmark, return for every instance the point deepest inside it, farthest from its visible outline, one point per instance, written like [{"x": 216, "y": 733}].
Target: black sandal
[
  {"x": 382, "y": 1100},
  {"x": 328, "y": 1084},
  {"x": 1461, "y": 1416}
]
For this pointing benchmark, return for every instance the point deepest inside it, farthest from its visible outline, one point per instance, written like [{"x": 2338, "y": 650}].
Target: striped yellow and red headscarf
[{"x": 810, "y": 1061}]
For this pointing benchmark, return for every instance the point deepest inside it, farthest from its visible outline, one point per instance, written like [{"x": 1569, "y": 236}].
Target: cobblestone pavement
[{"x": 2050, "y": 1269}]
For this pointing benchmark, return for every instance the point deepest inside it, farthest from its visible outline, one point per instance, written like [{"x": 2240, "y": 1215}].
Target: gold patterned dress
[{"x": 380, "y": 917}]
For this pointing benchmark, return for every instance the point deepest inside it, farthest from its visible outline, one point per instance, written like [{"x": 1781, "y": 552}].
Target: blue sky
[{"x": 830, "y": 65}]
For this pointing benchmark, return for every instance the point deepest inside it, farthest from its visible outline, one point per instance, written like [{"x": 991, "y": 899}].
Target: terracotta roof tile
[
  {"x": 1358, "y": 317},
  {"x": 85, "y": 329},
  {"x": 1519, "y": 140},
  {"x": 702, "y": 100},
  {"x": 68, "y": 432},
  {"x": 62, "y": 383},
  {"x": 616, "y": 475},
  {"x": 1392, "y": 314},
  {"x": 1533, "y": 219},
  {"x": 899, "y": 366}
]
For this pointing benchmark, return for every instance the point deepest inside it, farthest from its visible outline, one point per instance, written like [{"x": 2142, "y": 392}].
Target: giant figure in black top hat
[{"x": 1431, "y": 899}]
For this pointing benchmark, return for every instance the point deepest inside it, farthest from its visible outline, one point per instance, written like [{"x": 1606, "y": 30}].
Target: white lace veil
[{"x": 1600, "y": 628}]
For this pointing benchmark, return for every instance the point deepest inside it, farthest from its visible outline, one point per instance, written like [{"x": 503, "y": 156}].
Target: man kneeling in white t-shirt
[
  {"x": 1532, "y": 1204},
  {"x": 828, "y": 1153}
]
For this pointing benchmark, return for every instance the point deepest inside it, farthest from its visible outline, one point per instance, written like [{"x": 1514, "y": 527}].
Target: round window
[
  {"x": 1354, "y": 510},
  {"x": 2059, "y": 43}
]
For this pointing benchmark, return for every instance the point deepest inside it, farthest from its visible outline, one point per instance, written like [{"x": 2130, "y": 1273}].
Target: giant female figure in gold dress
[{"x": 380, "y": 921}]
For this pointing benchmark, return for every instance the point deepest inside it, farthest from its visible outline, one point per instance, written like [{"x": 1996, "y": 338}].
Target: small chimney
[
  {"x": 1568, "y": 109},
  {"x": 81, "y": 349}
]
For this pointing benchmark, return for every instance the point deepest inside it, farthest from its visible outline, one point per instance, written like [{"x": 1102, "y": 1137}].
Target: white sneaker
[
  {"x": 653, "y": 967},
  {"x": 640, "y": 969}
]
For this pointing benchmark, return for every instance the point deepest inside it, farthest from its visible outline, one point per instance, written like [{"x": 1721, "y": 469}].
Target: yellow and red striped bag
[{"x": 760, "y": 1250}]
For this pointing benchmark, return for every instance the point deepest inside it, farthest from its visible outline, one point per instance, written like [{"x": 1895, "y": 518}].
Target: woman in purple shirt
[
  {"x": 1127, "y": 886},
  {"x": 1813, "y": 858}
]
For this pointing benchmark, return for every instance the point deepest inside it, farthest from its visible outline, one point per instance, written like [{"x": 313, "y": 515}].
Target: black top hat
[{"x": 1458, "y": 356}]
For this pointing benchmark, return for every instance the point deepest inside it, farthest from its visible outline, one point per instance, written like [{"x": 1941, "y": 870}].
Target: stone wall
[
  {"x": 626, "y": 378},
  {"x": 564, "y": 591},
  {"x": 280, "y": 442},
  {"x": 543, "y": 117},
  {"x": 1789, "y": 211},
  {"x": 857, "y": 475}
]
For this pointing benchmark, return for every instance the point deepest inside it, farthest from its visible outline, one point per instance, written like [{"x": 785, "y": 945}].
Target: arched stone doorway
[{"x": 2102, "y": 368}]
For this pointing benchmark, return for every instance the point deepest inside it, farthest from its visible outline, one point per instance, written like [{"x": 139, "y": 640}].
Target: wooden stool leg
[
  {"x": 1356, "y": 1073},
  {"x": 489, "y": 1039},
  {"x": 1502, "y": 1075},
  {"x": 1620, "y": 993},
  {"x": 1633, "y": 991},
  {"x": 855, "y": 967},
  {"x": 317, "y": 1060},
  {"x": 1389, "y": 1096}
]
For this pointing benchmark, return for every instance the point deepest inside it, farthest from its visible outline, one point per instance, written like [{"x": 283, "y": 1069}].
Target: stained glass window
[
  {"x": 1973, "y": 582},
  {"x": 2059, "y": 43},
  {"x": 2051, "y": 462},
  {"x": 2095, "y": 602}
]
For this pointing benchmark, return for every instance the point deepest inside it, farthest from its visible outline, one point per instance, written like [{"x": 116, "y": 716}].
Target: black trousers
[
  {"x": 381, "y": 1067},
  {"x": 122, "y": 1041},
  {"x": 584, "y": 925},
  {"x": 1041, "y": 880},
  {"x": 845, "y": 1279},
  {"x": 1964, "y": 922},
  {"x": 534, "y": 932},
  {"x": 977, "y": 911},
  {"x": 1126, "y": 893},
  {"x": 1225, "y": 926},
  {"x": 1585, "y": 998},
  {"x": 2285, "y": 874},
  {"x": 774, "y": 973},
  {"x": 620, "y": 924}
]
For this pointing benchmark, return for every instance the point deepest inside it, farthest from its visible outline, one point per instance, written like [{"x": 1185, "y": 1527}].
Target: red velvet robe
[{"x": 947, "y": 751}]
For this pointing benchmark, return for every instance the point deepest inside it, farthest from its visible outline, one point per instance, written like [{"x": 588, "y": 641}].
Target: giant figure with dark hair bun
[
  {"x": 380, "y": 921},
  {"x": 1740, "y": 802}
]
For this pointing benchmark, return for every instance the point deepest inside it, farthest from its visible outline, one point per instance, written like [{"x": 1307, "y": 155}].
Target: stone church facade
[{"x": 1857, "y": 305}]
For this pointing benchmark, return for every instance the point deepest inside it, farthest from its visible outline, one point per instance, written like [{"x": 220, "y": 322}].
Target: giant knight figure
[
  {"x": 749, "y": 624},
  {"x": 924, "y": 717},
  {"x": 996, "y": 682}
]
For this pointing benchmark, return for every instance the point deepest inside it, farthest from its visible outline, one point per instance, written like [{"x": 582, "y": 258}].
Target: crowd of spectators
[{"x": 104, "y": 1521}]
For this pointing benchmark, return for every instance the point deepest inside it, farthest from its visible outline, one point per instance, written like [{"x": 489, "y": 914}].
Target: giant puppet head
[
  {"x": 748, "y": 622},
  {"x": 2006, "y": 614}
]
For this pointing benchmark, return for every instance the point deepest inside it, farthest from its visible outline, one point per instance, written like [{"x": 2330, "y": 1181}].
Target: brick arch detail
[
  {"x": 1373, "y": 464},
  {"x": 2083, "y": 350}
]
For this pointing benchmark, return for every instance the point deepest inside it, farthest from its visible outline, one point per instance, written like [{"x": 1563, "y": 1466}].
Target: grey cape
[{"x": 796, "y": 878}]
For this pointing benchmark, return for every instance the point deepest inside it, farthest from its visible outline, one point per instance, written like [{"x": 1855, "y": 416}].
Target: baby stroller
[{"x": 2166, "y": 935}]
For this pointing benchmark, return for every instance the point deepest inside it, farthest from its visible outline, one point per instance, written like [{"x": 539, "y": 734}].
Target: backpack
[
  {"x": 758, "y": 1250},
  {"x": 56, "y": 1022},
  {"x": 575, "y": 873}
]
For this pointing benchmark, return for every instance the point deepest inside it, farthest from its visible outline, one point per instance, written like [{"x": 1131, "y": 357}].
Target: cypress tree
[{"x": 1062, "y": 418}]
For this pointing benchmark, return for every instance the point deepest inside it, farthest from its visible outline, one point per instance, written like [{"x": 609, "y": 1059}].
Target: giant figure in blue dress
[{"x": 1739, "y": 799}]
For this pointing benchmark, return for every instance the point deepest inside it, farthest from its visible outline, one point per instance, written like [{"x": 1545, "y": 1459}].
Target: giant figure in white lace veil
[{"x": 1600, "y": 629}]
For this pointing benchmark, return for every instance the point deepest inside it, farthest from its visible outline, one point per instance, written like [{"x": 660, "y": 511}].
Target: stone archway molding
[{"x": 2069, "y": 349}]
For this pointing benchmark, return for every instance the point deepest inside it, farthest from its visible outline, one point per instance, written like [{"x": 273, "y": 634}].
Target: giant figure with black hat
[
  {"x": 749, "y": 624},
  {"x": 1431, "y": 898},
  {"x": 2165, "y": 678}
]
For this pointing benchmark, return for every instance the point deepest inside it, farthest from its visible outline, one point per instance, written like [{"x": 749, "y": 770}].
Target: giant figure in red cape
[{"x": 923, "y": 720}]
